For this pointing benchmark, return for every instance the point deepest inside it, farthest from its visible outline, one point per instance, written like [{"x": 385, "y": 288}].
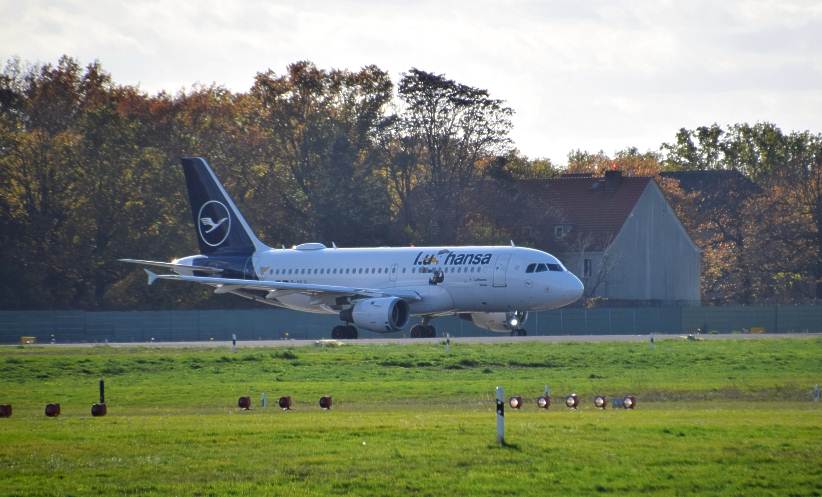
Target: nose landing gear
[{"x": 515, "y": 320}]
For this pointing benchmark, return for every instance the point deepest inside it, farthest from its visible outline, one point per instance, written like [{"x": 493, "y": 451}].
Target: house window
[
  {"x": 526, "y": 232},
  {"x": 560, "y": 230},
  {"x": 586, "y": 268}
]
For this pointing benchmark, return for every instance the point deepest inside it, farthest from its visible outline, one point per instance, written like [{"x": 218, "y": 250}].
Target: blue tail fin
[{"x": 221, "y": 229}]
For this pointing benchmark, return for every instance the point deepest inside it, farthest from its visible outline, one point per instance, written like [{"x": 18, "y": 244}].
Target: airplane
[{"x": 377, "y": 289}]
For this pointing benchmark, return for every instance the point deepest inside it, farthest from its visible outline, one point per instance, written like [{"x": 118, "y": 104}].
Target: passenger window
[{"x": 530, "y": 268}]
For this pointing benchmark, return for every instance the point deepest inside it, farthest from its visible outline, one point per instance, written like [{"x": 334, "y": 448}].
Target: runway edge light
[
  {"x": 544, "y": 402},
  {"x": 572, "y": 401},
  {"x": 52, "y": 410},
  {"x": 515, "y": 402},
  {"x": 600, "y": 402},
  {"x": 629, "y": 402},
  {"x": 285, "y": 403}
]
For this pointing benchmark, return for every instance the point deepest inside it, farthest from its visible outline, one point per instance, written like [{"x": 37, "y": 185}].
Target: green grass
[{"x": 714, "y": 418}]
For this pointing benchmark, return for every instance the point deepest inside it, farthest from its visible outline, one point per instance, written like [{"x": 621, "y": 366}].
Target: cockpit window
[{"x": 539, "y": 268}]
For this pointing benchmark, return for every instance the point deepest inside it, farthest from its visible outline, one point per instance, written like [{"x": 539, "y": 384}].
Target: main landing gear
[
  {"x": 423, "y": 331},
  {"x": 341, "y": 332}
]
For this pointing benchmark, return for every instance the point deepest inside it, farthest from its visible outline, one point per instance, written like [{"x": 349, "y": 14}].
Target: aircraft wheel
[
  {"x": 351, "y": 332},
  {"x": 430, "y": 331},
  {"x": 418, "y": 331},
  {"x": 338, "y": 332},
  {"x": 522, "y": 333}
]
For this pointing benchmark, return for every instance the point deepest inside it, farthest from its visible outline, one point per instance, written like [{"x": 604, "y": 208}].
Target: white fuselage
[{"x": 474, "y": 279}]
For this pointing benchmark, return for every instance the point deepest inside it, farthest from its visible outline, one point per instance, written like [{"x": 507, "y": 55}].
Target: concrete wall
[{"x": 652, "y": 257}]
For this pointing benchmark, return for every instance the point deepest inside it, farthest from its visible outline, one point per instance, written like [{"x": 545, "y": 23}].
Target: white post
[
  {"x": 447, "y": 342},
  {"x": 500, "y": 416},
  {"x": 817, "y": 393},
  {"x": 234, "y": 342},
  {"x": 264, "y": 400}
]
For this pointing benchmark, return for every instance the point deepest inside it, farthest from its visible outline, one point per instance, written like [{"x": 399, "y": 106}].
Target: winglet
[{"x": 152, "y": 277}]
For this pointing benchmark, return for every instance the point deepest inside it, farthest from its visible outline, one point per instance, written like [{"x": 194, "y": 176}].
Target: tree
[
  {"x": 783, "y": 221},
  {"x": 321, "y": 128},
  {"x": 514, "y": 167},
  {"x": 451, "y": 133}
]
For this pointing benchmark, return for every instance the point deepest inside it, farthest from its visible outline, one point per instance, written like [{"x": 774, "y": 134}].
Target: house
[{"x": 617, "y": 233}]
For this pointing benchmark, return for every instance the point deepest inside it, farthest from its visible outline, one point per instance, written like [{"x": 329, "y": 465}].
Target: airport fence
[{"x": 273, "y": 324}]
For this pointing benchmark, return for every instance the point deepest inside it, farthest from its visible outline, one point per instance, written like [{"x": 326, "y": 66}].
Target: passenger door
[{"x": 500, "y": 268}]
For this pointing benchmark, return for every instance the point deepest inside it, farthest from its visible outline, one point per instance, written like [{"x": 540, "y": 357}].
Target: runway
[{"x": 490, "y": 340}]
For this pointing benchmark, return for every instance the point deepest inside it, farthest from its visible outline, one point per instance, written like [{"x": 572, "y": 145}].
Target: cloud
[{"x": 591, "y": 75}]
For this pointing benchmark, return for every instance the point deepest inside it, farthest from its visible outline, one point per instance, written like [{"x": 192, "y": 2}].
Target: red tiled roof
[{"x": 596, "y": 207}]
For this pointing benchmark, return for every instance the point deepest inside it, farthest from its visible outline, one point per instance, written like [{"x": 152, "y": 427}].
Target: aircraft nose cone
[
  {"x": 573, "y": 289},
  {"x": 578, "y": 289}
]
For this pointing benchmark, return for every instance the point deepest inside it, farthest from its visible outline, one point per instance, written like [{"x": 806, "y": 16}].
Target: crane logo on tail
[{"x": 214, "y": 223}]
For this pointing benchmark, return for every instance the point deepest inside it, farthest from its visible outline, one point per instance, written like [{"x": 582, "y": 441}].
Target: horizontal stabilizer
[{"x": 152, "y": 277}]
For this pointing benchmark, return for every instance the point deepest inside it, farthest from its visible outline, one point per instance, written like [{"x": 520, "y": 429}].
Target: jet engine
[
  {"x": 500, "y": 322},
  {"x": 384, "y": 314}
]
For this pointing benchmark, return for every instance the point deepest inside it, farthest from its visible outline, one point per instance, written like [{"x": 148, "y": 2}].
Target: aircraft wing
[
  {"x": 171, "y": 265},
  {"x": 281, "y": 288}
]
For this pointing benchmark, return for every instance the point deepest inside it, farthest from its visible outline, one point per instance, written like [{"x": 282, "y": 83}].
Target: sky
[{"x": 580, "y": 75}]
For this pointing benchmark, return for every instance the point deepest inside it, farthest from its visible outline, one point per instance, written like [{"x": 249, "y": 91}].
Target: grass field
[{"x": 713, "y": 418}]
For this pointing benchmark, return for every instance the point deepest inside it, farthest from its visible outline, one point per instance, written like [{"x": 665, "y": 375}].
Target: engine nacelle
[
  {"x": 500, "y": 322},
  {"x": 383, "y": 315}
]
